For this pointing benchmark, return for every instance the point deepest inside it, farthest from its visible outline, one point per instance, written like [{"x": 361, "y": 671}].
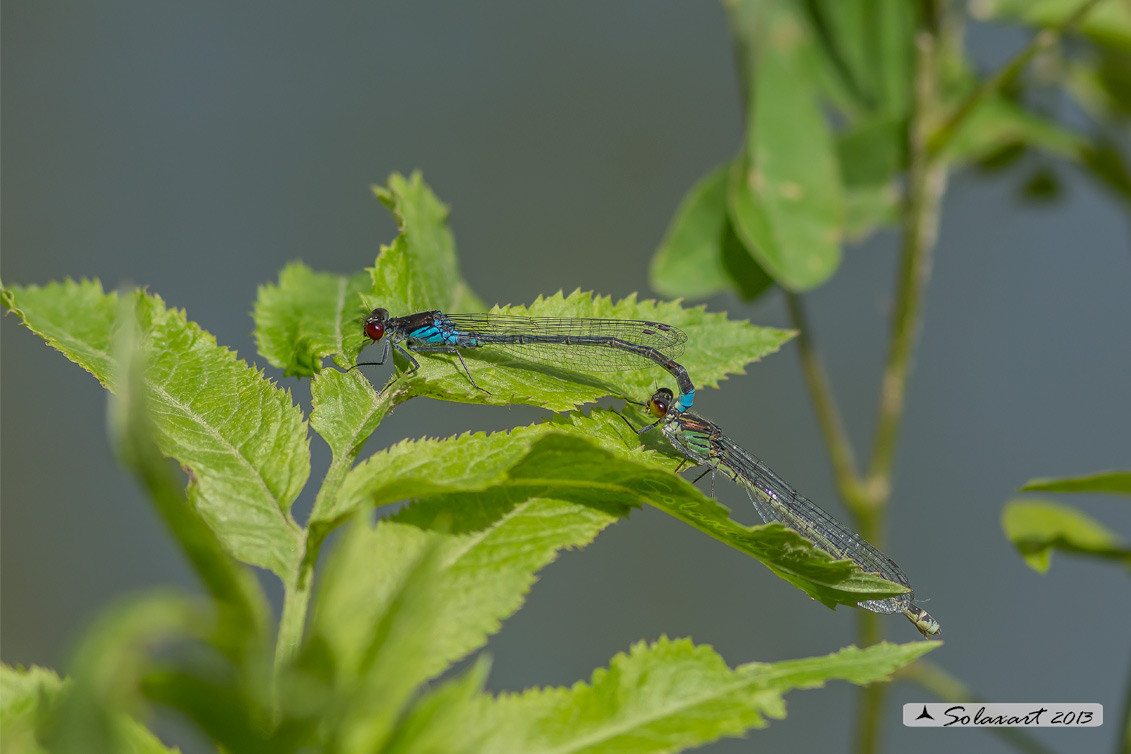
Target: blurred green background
[{"x": 197, "y": 149}]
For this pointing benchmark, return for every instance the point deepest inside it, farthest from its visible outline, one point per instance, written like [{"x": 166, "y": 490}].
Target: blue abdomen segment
[
  {"x": 430, "y": 334},
  {"x": 684, "y": 401}
]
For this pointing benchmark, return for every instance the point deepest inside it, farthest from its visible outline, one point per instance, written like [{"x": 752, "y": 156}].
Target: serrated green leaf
[
  {"x": 76, "y": 319},
  {"x": 419, "y": 272},
  {"x": 701, "y": 255},
  {"x": 670, "y": 696},
  {"x": 307, "y": 316},
  {"x": 28, "y": 700},
  {"x": 1105, "y": 482},
  {"x": 716, "y": 347},
  {"x": 468, "y": 463},
  {"x": 345, "y": 411},
  {"x": 27, "y": 696},
  {"x": 1036, "y": 527},
  {"x": 375, "y": 633},
  {"x": 785, "y": 552},
  {"x": 1108, "y": 23},
  {"x": 529, "y": 462},
  {"x": 241, "y": 439},
  {"x": 444, "y": 720},
  {"x": 243, "y": 606},
  {"x": 785, "y": 196},
  {"x": 486, "y": 550}
]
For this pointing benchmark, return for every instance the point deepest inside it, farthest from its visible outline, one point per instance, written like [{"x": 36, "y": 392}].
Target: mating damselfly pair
[{"x": 599, "y": 345}]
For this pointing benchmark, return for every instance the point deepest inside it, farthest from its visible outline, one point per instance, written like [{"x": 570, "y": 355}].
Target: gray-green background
[{"x": 196, "y": 149}]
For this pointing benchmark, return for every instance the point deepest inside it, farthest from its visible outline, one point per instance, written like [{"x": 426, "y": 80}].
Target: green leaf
[
  {"x": 998, "y": 123},
  {"x": 716, "y": 347},
  {"x": 868, "y": 43},
  {"x": 484, "y": 550},
  {"x": 1036, "y": 527},
  {"x": 419, "y": 272},
  {"x": 243, "y": 605},
  {"x": 345, "y": 412},
  {"x": 27, "y": 697},
  {"x": 241, "y": 439},
  {"x": 538, "y": 461},
  {"x": 28, "y": 700},
  {"x": 445, "y": 720},
  {"x": 673, "y": 695},
  {"x": 700, "y": 254},
  {"x": 867, "y": 208},
  {"x": 493, "y": 547},
  {"x": 1041, "y": 185},
  {"x": 307, "y": 316},
  {"x": 785, "y": 196},
  {"x": 1102, "y": 86},
  {"x": 1106, "y": 482},
  {"x": 872, "y": 156},
  {"x": 76, "y": 319},
  {"x": 1108, "y": 23},
  {"x": 468, "y": 463},
  {"x": 108, "y": 665},
  {"x": 873, "y": 152},
  {"x": 1106, "y": 164},
  {"x": 373, "y": 628}
]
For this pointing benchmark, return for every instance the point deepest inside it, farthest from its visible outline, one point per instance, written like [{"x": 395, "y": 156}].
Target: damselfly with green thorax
[
  {"x": 590, "y": 345},
  {"x": 702, "y": 442}
]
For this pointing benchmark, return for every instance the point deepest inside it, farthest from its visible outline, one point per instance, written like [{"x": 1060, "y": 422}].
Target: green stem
[
  {"x": 873, "y": 697},
  {"x": 293, "y": 622},
  {"x": 296, "y": 600},
  {"x": 1042, "y": 41},
  {"x": 927, "y": 183},
  {"x": 824, "y": 403},
  {"x": 946, "y": 687}
]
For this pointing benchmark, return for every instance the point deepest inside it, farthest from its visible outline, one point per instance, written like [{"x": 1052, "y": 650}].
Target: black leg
[
  {"x": 465, "y": 371},
  {"x": 407, "y": 355},
  {"x": 626, "y": 421}
]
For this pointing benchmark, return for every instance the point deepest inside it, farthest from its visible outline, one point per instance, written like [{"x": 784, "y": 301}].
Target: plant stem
[
  {"x": 828, "y": 416},
  {"x": 293, "y": 622},
  {"x": 927, "y": 182},
  {"x": 1043, "y": 40},
  {"x": 296, "y": 601}
]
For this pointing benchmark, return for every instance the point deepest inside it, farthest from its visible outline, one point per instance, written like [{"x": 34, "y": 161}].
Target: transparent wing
[
  {"x": 594, "y": 345},
  {"x": 775, "y": 500}
]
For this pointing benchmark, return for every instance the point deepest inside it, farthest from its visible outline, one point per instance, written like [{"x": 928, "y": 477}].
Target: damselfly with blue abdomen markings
[
  {"x": 590, "y": 345},
  {"x": 703, "y": 442}
]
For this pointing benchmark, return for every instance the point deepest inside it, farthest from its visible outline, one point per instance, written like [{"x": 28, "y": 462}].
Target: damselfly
[
  {"x": 591, "y": 345},
  {"x": 703, "y": 442}
]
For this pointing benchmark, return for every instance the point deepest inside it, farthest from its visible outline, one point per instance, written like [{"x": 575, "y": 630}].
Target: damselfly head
[
  {"x": 659, "y": 403},
  {"x": 374, "y": 327}
]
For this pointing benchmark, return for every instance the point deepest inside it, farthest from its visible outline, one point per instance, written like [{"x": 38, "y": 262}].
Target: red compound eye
[{"x": 374, "y": 330}]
